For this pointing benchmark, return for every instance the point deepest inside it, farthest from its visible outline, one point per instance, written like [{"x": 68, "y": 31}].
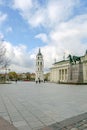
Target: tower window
[{"x": 38, "y": 63}]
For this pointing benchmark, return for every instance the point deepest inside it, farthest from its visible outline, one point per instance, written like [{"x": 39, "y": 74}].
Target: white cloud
[
  {"x": 9, "y": 29},
  {"x": 20, "y": 59},
  {"x": 66, "y": 33},
  {"x": 1, "y": 36},
  {"x": 3, "y": 17},
  {"x": 22, "y": 5},
  {"x": 70, "y": 35},
  {"x": 49, "y": 15},
  {"x": 43, "y": 37},
  {"x": 67, "y": 37}
]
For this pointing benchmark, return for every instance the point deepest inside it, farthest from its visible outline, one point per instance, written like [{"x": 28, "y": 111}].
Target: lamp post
[
  {"x": 8, "y": 74},
  {"x": 5, "y": 74}
]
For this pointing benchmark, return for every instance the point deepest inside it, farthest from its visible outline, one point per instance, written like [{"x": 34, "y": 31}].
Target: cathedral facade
[
  {"x": 39, "y": 67},
  {"x": 65, "y": 72}
]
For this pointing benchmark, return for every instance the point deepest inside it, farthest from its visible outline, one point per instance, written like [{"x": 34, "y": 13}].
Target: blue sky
[
  {"x": 58, "y": 27},
  {"x": 21, "y": 32}
]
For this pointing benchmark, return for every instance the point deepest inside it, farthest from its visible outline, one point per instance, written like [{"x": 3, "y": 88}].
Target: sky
[{"x": 57, "y": 27}]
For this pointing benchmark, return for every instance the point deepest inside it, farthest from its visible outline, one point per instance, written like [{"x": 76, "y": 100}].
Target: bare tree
[
  {"x": 2, "y": 53},
  {"x": 4, "y": 61}
]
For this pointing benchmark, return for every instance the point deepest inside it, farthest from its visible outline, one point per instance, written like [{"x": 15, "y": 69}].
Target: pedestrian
[
  {"x": 16, "y": 80},
  {"x": 36, "y": 81},
  {"x": 39, "y": 81}
]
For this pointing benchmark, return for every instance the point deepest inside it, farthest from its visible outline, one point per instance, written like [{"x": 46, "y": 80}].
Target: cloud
[
  {"x": 65, "y": 31},
  {"x": 1, "y": 36},
  {"x": 3, "y": 17},
  {"x": 69, "y": 34},
  {"x": 20, "y": 59},
  {"x": 9, "y": 29},
  {"x": 43, "y": 37},
  {"x": 50, "y": 14},
  {"x": 22, "y": 5},
  {"x": 66, "y": 38}
]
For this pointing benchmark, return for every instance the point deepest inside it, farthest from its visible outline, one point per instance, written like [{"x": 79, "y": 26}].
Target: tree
[
  {"x": 2, "y": 53},
  {"x": 4, "y": 61},
  {"x": 13, "y": 76}
]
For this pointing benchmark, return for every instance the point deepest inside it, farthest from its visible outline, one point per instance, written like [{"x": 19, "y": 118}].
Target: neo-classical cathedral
[
  {"x": 39, "y": 67},
  {"x": 65, "y": 72}
]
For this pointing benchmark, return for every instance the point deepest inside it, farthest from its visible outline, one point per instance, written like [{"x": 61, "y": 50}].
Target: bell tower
[{"x": 39, "y": 66}]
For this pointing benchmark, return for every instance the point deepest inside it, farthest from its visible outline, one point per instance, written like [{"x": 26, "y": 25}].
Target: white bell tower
[{"x": 39, "y": 67}]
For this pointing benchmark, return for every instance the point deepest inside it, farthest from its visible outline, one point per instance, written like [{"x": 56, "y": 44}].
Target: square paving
[{"x": 30, "y": 106}]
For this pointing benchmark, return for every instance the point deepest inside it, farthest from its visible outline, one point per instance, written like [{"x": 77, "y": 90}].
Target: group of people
[{"x": 39, "y": 81}]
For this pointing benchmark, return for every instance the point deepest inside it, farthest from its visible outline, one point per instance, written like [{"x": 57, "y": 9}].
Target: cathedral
[
  {"x": 39, "y": 67},
  {"x": 65, "y": 72}
]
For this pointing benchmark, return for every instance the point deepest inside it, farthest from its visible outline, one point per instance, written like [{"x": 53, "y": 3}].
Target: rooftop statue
[
  {"x": 73, "y": 59},
  {"x": 70, "y": 59},
  {"x": 76, "y": 58}
]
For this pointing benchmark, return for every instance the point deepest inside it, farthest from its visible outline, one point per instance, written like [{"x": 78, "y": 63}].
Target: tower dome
[{"x": 39, "y": 53}]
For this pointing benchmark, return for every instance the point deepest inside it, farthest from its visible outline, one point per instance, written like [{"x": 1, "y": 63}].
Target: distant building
[
  {"x": 23, "y": 75},
  {"x": 32, "y": 76},
  {"x": 47, "y": 77},
  {"x": 64, "y": 72},
  {"x": 39, "y": 66}
]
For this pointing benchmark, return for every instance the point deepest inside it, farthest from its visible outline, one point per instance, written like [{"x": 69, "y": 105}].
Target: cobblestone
[
  {"x": 75, "y": 123},
  {"x": 31, "y": 106}
]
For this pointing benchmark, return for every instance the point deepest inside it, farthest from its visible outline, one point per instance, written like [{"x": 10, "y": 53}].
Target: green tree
[{"x": 13, "y": 76}]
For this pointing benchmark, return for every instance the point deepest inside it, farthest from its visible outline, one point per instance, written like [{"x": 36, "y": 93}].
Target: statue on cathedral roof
[{"x": 74, "y": 59}]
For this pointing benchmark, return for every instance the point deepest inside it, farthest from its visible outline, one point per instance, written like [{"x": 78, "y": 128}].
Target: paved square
[{"x": 33, "y": 106}]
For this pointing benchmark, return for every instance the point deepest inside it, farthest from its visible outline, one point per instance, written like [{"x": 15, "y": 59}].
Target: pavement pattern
[
  {"x": 31, "y": 106},
  {"x": 75, "y": 123}
]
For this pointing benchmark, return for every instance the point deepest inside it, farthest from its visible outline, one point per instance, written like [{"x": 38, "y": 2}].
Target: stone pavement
[
  {"x": 75, "y": 123},
  {"x": 31, "y": 106}
]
